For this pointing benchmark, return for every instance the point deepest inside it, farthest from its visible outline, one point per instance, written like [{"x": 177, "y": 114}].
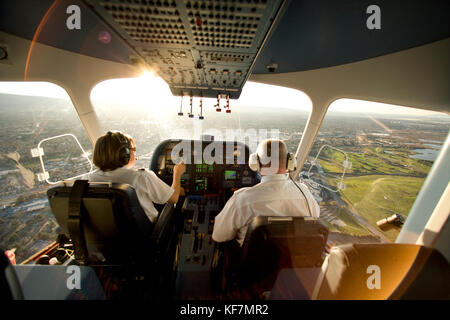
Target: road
[{"x": 352, "y": 210}]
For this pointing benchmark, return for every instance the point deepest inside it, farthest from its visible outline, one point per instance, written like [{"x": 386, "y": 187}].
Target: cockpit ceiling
[
  {"x": 315, "y": 34},
  {"x": 201, "y": 48},
  {"x": 206, "y": 47}
]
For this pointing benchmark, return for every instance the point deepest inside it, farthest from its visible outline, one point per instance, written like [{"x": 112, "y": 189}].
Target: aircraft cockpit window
[
  {"x": 30, "y": 114},
  {"x": 62, "y": 147},
  {"x": 145, "y": 108},
  {"x": 331, "y": 156},
  {"x": 368, "y": 165}
]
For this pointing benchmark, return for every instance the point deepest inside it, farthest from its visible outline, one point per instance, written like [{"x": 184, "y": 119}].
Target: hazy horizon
[{"x": 141, "y": 91}]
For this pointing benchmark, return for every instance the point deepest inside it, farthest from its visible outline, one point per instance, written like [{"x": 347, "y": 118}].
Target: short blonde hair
[{"x": 110, "y": 150}]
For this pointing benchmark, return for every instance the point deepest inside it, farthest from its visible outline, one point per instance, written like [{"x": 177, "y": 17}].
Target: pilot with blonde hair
[
  {"x": 275, "y": 195},
  {"x": 114, "y": 155}
]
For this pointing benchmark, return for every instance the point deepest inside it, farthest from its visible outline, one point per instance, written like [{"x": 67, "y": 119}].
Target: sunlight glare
[{"x": 146, "y": 91}]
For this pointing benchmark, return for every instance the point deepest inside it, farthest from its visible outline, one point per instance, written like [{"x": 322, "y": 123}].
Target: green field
[
  {"x": 352, "y": 227},
  {"x": 379, "y": 196},
  {"x": 378, "y": 185},
  {"x": 374, "y": 161}
]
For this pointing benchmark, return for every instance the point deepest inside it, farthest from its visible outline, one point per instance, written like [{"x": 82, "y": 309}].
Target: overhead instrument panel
[{"x": 200, "y": 48}]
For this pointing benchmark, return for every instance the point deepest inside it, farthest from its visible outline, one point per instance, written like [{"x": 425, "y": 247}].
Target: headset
[
  {"x": 122, "y": 154},
  {"x": 254, "y": 164}
]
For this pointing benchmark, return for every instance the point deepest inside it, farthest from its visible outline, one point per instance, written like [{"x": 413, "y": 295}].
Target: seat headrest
[{"x": 302, "y": 239}]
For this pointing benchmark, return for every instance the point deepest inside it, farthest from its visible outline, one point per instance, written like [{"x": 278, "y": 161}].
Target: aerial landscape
[
  {"x": 390, "y": 159},
  {"x": 370, "y": 166}
]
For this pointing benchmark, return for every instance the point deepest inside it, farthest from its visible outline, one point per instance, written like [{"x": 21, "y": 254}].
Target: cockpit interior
[{"x": 370, "y": 138}]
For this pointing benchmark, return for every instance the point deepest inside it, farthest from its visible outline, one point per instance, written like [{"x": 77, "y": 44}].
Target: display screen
[
  {"x": 230, "y": 174},
  {"x": 201, "y": 184},
  {"x": 204, "y": 168}
]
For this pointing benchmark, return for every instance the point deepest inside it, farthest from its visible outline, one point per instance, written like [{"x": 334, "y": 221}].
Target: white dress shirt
[
  {"x": 275, "y": 195},
  {"x": 149, "y": 188}
]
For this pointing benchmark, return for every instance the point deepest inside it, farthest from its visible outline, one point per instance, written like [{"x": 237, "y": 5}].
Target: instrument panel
[
  {"x": 211, "y": 166},
  {"x": 214, "y": 169}
]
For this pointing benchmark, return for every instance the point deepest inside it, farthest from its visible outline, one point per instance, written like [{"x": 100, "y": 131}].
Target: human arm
[
  {"x": 225, "y": 228},
  {"x": 178, "y": 170}
]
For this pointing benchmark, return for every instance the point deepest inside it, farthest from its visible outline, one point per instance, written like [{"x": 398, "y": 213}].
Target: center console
[
  {"x": 197, "y": 248},
  {"x": 206, "y": 186}
]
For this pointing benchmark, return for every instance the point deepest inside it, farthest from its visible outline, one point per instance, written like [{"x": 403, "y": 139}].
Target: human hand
[
  {"x": 179, "y": 169},
  {"x": 11, "y": 255}
]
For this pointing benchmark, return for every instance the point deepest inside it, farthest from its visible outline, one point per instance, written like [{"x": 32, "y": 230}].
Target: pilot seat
[
  {"x": 272, "y": 245},
  {"x": 109, "y": 229},
  {"x": 104, "y": 220}
]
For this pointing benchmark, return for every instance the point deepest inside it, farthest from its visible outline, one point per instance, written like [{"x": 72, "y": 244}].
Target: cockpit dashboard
[{"x": 212, "y": 167}]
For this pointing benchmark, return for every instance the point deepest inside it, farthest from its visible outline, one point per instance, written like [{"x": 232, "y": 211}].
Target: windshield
[
  {"x": 34, "y": 114},
  {"x": 368, "y": 163},
  {"x": 146, "y": 109}
]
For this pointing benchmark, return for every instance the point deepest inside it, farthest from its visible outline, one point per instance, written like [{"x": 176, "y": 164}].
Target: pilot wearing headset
[
  {"x": 114, "y": 155},
  {"x": 275, "y": 195}
]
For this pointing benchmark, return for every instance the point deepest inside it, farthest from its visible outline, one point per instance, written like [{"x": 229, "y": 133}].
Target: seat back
[
  {"x": 113, "y": 222},
  {"x": 10, "y": 288},
  {"x": 162, "y": 229},
  {"x": 40, "y": 282},
  {"x": 372, "y": 271},
  {"x": 428, "y": 278},
  {"x": 274, "y": 243}
]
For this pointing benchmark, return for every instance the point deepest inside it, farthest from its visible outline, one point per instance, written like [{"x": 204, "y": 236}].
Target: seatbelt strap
[
  {"x": 75, "y": 220},
  {"x": 304, "y": 195}
]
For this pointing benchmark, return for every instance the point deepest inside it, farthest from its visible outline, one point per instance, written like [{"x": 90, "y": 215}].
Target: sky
[
  {"x": 137, "y": 90},
  {"x": 30, "y": 88}
]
